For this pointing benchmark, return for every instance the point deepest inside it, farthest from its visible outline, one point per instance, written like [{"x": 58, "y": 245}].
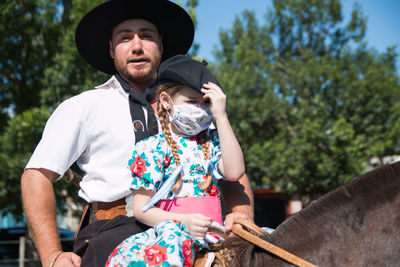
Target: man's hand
[
  {"x": 67, "y": 259},
  {"x": 231, "y": 217},
  {"x": 197, "y": 225}
]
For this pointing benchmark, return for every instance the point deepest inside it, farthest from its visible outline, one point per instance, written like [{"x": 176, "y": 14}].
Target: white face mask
[{"x": 191, "y": 119}]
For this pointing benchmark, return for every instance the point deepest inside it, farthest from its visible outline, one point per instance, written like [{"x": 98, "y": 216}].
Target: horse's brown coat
[{"x": 355, "y": 225}]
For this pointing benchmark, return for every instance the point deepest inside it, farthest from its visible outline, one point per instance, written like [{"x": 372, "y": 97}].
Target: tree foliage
[
  {"x": 17, "y": 143},
  {"x": 310, "y": 102},
  {"x": 39, "y": 68}
]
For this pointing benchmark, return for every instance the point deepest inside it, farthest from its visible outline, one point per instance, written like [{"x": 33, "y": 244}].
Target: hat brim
[{"x": 93, "y": 32}]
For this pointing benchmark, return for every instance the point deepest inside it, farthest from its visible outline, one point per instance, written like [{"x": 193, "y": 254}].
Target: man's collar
[{"x": 111, "y": 83}]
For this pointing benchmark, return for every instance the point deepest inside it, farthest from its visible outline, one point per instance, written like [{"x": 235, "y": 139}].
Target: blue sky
[{"x": 383, "y": 27}]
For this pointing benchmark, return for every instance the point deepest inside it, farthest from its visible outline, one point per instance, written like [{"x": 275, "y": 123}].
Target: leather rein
[{"x": 253, "y": 236}]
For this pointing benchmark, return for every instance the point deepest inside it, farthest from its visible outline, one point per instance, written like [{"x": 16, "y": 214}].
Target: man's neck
[{"x": 139, "y": 87}]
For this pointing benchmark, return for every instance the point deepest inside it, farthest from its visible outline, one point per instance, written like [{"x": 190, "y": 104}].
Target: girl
[{"x": 180, "y": 167}]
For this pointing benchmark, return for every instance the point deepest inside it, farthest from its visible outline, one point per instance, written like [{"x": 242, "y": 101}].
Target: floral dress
[{"x": 169, "y": 242}]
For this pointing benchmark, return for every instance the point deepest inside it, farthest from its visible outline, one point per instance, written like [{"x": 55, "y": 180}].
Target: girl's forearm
[
  {"x": 153, "y": 215},
  {"x": 231, "y": 163}
]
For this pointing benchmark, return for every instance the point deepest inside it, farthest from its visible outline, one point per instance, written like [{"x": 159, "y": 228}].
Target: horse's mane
[
  {"x": 363, "y": 193},
  {"x": 369, "y": 189}
]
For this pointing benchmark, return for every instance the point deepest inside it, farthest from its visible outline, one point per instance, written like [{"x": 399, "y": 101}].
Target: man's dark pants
[{"x": 97, "y": 240}]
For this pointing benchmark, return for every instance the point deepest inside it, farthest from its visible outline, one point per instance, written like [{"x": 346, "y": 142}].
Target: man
[{"x": 98, "y": 128}]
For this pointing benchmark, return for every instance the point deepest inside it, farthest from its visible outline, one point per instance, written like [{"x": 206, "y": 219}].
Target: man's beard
[
  {"x": 139, "y": 76},
  {"x": 142, "y": 75}
]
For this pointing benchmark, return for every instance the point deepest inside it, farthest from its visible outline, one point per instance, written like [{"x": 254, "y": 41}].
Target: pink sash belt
[{"x": 208, "y": 206}]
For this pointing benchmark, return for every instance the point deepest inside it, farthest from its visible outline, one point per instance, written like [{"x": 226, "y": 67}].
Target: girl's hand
[
  {"x": 217, "y": 99},
  {"x": 197, "y": 225}
]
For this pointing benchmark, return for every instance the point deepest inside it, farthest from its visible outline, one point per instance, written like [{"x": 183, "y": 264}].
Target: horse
[{"x": 357, "y": 224}]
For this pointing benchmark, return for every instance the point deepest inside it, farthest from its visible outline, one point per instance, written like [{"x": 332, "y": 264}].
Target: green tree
[
  {"x": 39, "y": 68},
  {"x": 310, "y": 101},
  {"x": 17, "y": 143}
]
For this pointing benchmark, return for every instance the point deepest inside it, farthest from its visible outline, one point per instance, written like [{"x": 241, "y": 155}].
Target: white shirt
[{"x": 95, "y": 129}]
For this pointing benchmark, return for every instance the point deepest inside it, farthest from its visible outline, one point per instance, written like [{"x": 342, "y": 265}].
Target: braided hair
[{"x": 172, "y": 88}]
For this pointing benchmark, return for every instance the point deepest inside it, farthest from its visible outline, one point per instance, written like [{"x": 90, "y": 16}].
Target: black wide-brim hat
[{"x": 93, "y": 32}]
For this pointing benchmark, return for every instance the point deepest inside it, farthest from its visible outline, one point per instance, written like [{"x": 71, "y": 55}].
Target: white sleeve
[{"x": 64, "y": 139}]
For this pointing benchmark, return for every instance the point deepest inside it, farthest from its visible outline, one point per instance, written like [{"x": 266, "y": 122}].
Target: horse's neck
[{"x": 351, "y": 226}]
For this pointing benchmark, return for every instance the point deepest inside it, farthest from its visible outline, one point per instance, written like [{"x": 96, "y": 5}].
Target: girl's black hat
[
  {"x": 186, "y": 71},
  {"x": 93, "y": 33}
]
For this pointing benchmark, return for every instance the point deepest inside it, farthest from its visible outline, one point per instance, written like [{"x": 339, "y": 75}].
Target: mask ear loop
[{"x": 171, "y": 118}]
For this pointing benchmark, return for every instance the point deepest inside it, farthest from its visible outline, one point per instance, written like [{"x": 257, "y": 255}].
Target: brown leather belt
[
  {"x": 107, "y": 210},
  {"x": 96, "y": 211}
]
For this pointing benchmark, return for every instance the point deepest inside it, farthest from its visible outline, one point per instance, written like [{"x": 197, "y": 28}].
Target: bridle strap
[{"x": 253, "y": 238}]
